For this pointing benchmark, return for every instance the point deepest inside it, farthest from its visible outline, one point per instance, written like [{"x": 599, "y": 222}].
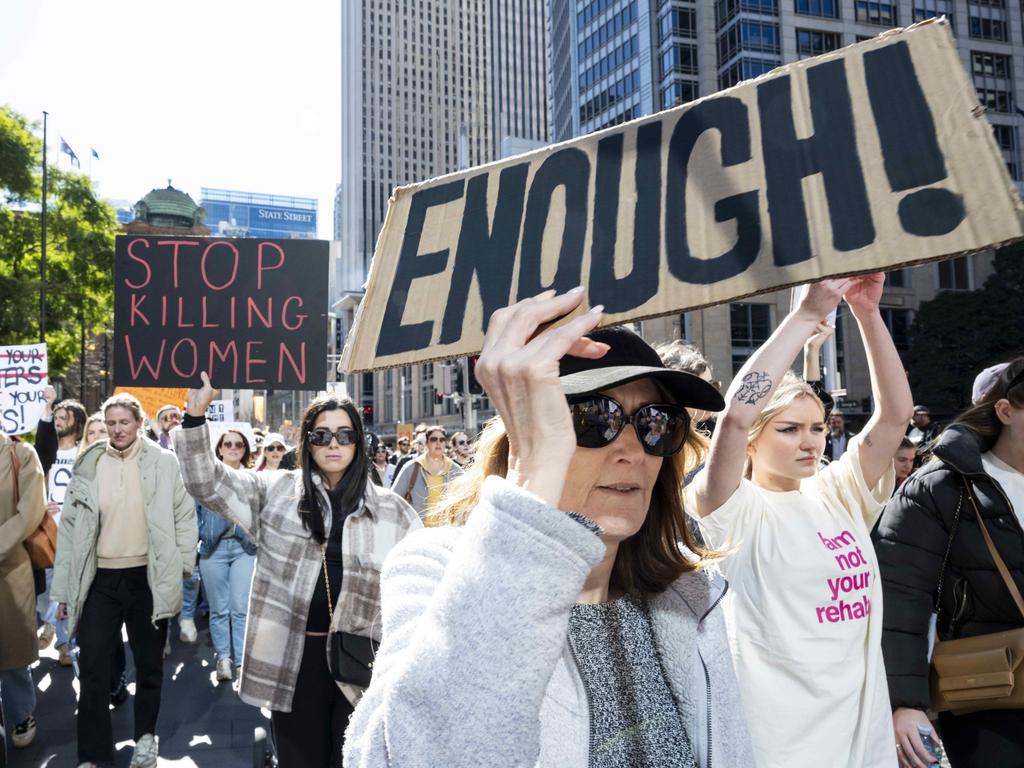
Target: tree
[
  {"x": 958, "y": 333},
  {"x": 80, "y": 249}
]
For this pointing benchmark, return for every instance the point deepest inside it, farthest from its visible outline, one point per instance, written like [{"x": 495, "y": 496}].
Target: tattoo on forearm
[{"x": 756, "y": 386}]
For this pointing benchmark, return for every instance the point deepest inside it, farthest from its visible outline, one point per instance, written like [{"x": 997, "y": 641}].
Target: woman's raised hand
[
  {"x": 519, "y": 367},
  {"x": 865, "y": 292},
  {"x": 198, "y": 400}
]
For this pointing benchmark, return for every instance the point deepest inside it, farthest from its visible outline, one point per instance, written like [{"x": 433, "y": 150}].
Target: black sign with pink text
[{"x": 252, "y": 313}]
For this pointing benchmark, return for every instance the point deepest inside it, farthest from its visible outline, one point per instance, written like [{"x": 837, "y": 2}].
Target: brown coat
[{"x": 18, "y": 645}]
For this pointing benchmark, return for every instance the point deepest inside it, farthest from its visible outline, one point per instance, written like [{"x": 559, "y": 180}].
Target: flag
[
  {"x": 95, "y": 153},
  {"x": 69, "y": 152}
]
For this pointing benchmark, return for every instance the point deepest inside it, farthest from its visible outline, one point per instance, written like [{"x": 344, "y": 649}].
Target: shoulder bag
[
  {"x": 983, "y": 672},
  {"x": 42, "y": 544},
  {"x": 350, "y": 656},
  {"x": 412, "y": 480}
]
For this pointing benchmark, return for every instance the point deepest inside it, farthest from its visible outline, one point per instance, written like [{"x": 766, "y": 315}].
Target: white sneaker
[
  {"x": 24, "y": 733},
  {"x": 146, "y": 751},
  {"x": 187, "y": 630},
  {"x": 224, "y": 668},
  {"x": 46, "y": 636}
]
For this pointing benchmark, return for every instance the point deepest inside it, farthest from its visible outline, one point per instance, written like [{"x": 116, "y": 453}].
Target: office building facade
[{"x": 232, "y": 213}]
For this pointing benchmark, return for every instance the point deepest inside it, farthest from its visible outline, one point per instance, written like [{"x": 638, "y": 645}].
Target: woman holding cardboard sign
[
  {"x": 805, "y": 604},
  {"x": 560, "y": 613}
]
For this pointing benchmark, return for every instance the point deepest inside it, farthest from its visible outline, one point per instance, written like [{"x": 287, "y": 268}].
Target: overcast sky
[{"x": 222, "y": 93}]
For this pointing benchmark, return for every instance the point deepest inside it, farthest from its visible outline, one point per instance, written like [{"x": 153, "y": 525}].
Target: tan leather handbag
[
  {"x": 973, "y": 674},
  {"x": 42, "y": 543}
]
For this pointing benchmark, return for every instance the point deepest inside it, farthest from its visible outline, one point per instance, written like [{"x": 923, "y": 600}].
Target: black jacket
[
  {"x": 911, "y": 541},
  {"x": 46, "y": 444},
  {"x": 828, "y": 442}
]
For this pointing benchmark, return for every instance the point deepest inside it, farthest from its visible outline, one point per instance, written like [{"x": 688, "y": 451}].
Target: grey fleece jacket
[{"x": 475, "y": 667}]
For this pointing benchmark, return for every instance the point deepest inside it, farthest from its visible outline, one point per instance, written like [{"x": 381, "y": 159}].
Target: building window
[
  {"x": 679, "y": 58},
  {"x": 814, "y": 42},
  {"x": 955, "y": 274},
  {"x": 726, "y": 9},
  {"x": 753, "y": 36},
  {"x": 883, "y": 14},
  {"x": 898, "y": 322},
  {"x": 607, "y": 31},
  {"x": 427, "y": 390},
  {"x": 751, "y": 325},
  {"x": 1006, "y": 138},
  {"x": 679, "y": 92},
  {"x": 745, "y": 69},
  {"x": 993, "y": 73},
  {"x": 928, "y": 9},
  {"x": 406, "y": 393},
  {"x": 988, "y": 29},
  {"x": 389, "y": 395},
  {"x": 681, "y": 22},
  {"x": 828, "y": 9},
  {"x": 897, "y": 278}
]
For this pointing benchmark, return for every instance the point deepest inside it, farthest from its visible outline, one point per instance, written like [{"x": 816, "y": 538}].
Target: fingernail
[
  {"x": 597, "y": 310},
  {"x": 577, "y": 289}
]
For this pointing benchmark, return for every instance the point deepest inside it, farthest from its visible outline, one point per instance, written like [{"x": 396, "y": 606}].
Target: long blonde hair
[
  {"x": 790, "y": 388},
  {"x": 648, "y": 561}
]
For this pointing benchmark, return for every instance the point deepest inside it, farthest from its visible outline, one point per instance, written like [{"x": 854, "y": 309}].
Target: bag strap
[
  {"x": 412, "y": 480},
  {"x": 15, "y": 471},
  {"x": 1000, "y": 565},
  {"x": 949, "y": 546}
]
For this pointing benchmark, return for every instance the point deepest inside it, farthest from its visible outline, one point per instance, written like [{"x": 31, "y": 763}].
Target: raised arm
[
  {"x": 751, "y": 390},
  {"x": 235, "y": 494},
  {"x": 890, "y": 390}
]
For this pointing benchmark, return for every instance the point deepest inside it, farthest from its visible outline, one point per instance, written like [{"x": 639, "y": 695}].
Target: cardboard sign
[
  {"x": 23, "y": 377},
  {"x": 251, "y": 313},
  {"x": 153, "y": 399},
  {"x": 221, "y": 410},
  {"x": 861, "y": 160}
]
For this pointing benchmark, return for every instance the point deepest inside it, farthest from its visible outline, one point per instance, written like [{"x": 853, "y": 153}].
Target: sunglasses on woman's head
[
  {"x": 321, "y": 436},
  {"x": 597, "y": 420}
]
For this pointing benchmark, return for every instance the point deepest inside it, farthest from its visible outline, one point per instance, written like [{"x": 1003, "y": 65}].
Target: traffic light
[
  {"x": 368, "y": 414},
  {"x": 474, "y": 385}
]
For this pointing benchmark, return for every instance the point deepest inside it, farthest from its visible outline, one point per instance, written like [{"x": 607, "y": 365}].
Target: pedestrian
[
  {"x": 805, "y": 607},
  {"x": 933, "y": 557},
  {"x": 402, "y": 449},
  {"x": 127, "y": 536},
  {"x": 274, "y": 449},
  {"x": 922, "y": 430},
  {"x": 58, "y": 435},
  {"x": 684, "y": 356},
  {"x": 385, "y": 470},
  {"x": 22, "y": 505},
  {"x": 322, "y": 532},
  {"x": 422, "y": 480},
  {"x": 226, "y": 560},
  {"x": 558, "y": 615},
  {"x": 460, "y": 449},
  {"x": 167, "y": 418},
  {"x": 838, "y": 437},
  {"x": 904, "y": 461}
]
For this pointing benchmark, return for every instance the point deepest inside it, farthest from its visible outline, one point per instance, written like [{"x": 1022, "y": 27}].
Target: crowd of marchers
[{"x": 626, "y": 567}]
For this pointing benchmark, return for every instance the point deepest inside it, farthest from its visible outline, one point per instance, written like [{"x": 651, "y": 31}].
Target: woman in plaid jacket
[{"x": 322, "y": 532}]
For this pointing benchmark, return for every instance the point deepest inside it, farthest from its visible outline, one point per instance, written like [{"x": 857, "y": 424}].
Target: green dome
[{"x": 169, "y": 207}]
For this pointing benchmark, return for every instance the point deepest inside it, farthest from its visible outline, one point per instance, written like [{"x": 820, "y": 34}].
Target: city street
[{"x": 201, "y": 723}]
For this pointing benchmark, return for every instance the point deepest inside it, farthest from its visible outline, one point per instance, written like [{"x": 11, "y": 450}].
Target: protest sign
[
  {"x": 153, "y": 399},
  {"x": 220, "y": 410},
  {"x": 251, "y": 313},
  {"x": 864, "y": 159},
  {"x": 23, "y": 377}
]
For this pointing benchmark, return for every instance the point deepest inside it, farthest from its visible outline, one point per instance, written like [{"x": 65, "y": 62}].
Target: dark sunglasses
[
  {"x": 661, "y": 428},
  {"x": 436, "y": 439},
  {"x": 232, "y": 444},
  {"x": 276, "y": 447},
  {"x": 322, "y": 436},
  {"x": 462, "y": 442}
]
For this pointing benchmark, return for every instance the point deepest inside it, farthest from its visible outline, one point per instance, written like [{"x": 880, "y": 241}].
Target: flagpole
[{"x": 42, "y": 259}]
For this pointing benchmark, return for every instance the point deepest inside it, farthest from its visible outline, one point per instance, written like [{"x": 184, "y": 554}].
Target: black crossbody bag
[{"x": 349, "y": 656}]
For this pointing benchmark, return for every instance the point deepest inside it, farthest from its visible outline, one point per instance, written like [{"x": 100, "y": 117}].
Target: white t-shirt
[
  {"x": 804, "y": 611},
  {"x": 1009, "y": 479},
  {"x": 59, "y": 477}
]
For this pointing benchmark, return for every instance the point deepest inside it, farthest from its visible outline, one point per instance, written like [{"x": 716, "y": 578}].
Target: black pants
[
  {"x": 117, "y": 596},
  {"x": 312, "y": 734},
  {"x": 984, "y": 739}
]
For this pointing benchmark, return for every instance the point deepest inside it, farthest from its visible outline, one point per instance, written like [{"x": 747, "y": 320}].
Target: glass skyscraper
[{"x": 250, "y": 214}]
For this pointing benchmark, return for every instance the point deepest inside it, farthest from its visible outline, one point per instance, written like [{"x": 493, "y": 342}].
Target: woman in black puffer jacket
[{"x": 982, "y": 448}]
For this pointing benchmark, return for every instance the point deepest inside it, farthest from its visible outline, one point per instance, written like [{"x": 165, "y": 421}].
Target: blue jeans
[
  {"x": 227, "y": 574},
  {"x": 18, "y": 694},
  {"x": 47, "y": 610},
  {"x": 190, "y": 595}
]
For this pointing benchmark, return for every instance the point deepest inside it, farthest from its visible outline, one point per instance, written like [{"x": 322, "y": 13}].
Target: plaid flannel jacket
[{"x": 288, "y": 563}]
